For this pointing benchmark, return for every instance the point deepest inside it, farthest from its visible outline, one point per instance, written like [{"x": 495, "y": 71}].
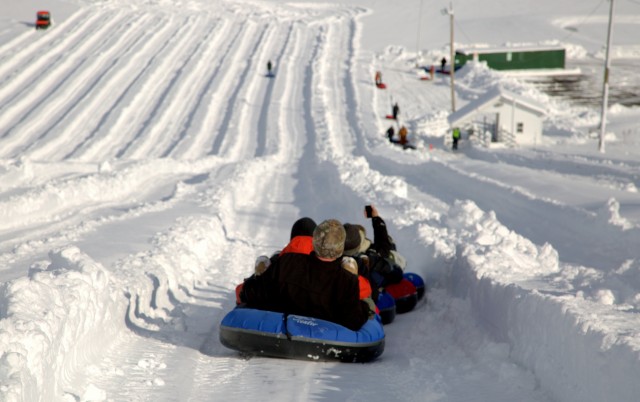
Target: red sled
[
  {"x": 390, "y": 117},
  {"x": 405, "y": 295},
  {"x": 381, "y": 85}
]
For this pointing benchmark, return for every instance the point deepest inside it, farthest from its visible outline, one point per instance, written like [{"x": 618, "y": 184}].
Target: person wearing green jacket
[{"x": 456, "y": 137}]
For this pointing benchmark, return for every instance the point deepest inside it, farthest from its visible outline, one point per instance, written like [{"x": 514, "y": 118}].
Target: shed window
[{"x": 520, "y": 128}]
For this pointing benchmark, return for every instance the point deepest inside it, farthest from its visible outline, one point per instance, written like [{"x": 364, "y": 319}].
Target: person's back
[
  {"x": 321, "y": 289},
  {"x": 403, "y": 135},
  {"x": 390, "y": 133},
  {"x": 456, "y": 137},
  {"x": 380, "y": 271},
  {"x": 314, "y": 285}
]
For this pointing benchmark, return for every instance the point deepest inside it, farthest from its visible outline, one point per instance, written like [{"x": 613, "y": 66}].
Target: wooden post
[
  {"x": 605, "y": 85},
  {"x": 452, "y": 59}
]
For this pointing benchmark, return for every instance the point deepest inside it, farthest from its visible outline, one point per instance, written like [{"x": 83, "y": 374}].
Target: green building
[{"x": 515, "y": 58}]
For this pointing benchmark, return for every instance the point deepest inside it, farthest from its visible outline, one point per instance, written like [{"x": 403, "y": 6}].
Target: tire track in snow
[
  {"x": 24, "y": 55},
  {"x": 283, "y": 121},
  {"x": 27, "y": 81},
  {"x": 83, "y": 100},
  {"x": 201, "y": 85},
  {"x": 155, "y": 59},
  {"x": 103, "y": 140},
  {"x": 338, "y": 114},
  {"x": 223, "y": 130},
  {"x": 167, "y": 119},
  {"x": 243, "y": 121},
  {"x": 268, "y": 99},
  {"x": 37, "y": 93},
  {"x": 163, "y": 79},
  {"x": 192, "y": 146},
  {"x": 246, "y": 88}
]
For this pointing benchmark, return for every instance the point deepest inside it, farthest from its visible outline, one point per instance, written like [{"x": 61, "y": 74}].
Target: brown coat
[{"x": 403, "y": 135}]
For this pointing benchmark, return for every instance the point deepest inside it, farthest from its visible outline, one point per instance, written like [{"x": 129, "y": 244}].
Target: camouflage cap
[{"x": 328, "y": 239}]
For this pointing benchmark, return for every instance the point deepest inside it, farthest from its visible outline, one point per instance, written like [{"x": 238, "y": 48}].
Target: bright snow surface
[{"x": 146, "y": 161}]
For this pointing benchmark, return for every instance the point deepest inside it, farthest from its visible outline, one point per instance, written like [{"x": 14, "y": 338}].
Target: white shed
[{"x": 501, "y": 117}]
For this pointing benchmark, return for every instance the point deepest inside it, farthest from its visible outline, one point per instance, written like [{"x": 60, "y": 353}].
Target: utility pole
[
  {"x": 418, "y": 51},
  {"x": 452, "y": 59},
  {"x": 605, "y": 85}
]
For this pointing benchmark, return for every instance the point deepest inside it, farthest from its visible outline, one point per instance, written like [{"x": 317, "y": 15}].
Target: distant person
[
  {"x": 390, "y": 133},
  {"x": 455, "y": 136},
  {"x": 443, "y": 63},
  {"x": 269, "y": 68},
  {"x": 314, "y": 285},
  {"x": 378, "y": 78},
  {"x": 402, "y": 133},
  {"x": 395, "y": 110}
]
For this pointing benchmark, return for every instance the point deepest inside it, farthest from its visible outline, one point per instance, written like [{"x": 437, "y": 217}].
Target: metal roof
[
  {"x": 488, "y": 98},
  {"x": 471, "y": 51}
]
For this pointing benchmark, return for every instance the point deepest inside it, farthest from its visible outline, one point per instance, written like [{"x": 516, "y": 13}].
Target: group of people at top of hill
[
  {"x": 402, "y": 131},
  {"x": 395, "y": 111},
  {"x": 330, "y": 271},
  {"x": 402, "y": 135}
]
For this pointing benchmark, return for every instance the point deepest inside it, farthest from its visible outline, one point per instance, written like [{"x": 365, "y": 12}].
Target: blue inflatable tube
[
  {"x": 387, "y": 306},
  {"x": 418, "y": 282},
  {"x": 272, "y": 334}
]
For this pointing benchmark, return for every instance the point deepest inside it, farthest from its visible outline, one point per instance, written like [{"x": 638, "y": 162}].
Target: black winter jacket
[
  {"x": 381, "y": 271},
  {"x": 304, "y": 285}
]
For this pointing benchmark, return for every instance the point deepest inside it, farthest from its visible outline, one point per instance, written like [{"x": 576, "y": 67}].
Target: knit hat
[
  {"x": 328, "y": 239},
  {"x": 303, "y": 227}
]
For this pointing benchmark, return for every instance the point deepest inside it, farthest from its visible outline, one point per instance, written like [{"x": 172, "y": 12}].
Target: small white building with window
[{"x": 500, "y": 117}]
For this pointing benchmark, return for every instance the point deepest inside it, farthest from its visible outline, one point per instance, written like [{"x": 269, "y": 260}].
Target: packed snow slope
[{"x": 146, "y": 161}]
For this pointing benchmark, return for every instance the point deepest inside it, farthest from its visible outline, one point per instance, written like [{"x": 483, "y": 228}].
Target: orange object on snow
[{"x": 43, "y": 19}]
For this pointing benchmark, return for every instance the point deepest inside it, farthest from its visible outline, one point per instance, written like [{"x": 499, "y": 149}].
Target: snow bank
[
  {"x": 53, "y": 322},
  {"x": 572, "y": 345},
  {"x": 99, "y": 186},
  {"x": 157, "y": 281},
  {"x": 69, "y": 309},
  {"x": 575, "y": 355}
]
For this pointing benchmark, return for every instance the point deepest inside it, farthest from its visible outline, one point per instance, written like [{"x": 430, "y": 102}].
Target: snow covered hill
[{"x": 146, "y": 160}]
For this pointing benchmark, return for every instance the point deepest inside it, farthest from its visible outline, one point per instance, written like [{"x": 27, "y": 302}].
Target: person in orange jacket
[
  {"x": 402, "y": 133},
  {"x": 301, "y": 239}
]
